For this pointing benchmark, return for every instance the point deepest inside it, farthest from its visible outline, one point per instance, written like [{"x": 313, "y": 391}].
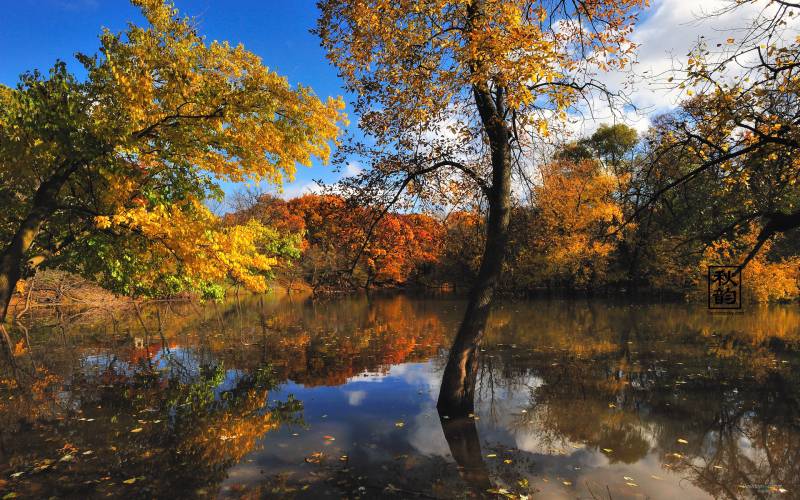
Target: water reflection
[{"x": 337, "y": 398}]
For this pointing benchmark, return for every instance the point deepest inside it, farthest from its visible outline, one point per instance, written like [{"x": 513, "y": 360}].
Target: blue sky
[{"x": 34, "y": 33}]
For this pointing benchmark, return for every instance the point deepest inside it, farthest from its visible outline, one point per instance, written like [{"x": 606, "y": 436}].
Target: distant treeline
[{"x": 584, "y": 224}]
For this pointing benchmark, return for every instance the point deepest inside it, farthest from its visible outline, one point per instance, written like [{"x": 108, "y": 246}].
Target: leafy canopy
[{"x": 139, "y": 146}]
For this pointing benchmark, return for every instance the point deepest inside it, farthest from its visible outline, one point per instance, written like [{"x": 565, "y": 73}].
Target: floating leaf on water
[
  {"x": 17, "y": 474},
  {"x": 9, "y": 495},
  {"x": 329, "y": 438},
  {"x": 633, "y": 485},
  {"x": 499, "y": 491},
  {"x": 627, "y": 478},
  {"x": 314, "y": 458},
  {"x": 567, "y": 483},
  {"x": 657, "y": 478},
  {"x": 343, "y": 458},
  {"x": 491, "y": 455},
  {"x": 399, "y": 424},
  {"x": 130, "y": 481},
  {"x": 507, "y": 461},
  {"x": 138, "y": 429},
  {"x": 683, "y": 441},
  {"x": 607, "y": 450},
  {"x": 67, "y": 458}
]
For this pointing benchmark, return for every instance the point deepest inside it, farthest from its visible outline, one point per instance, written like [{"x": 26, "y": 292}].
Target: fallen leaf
[
  {"x": 399, "y": 424},
  {"x": 567, "y": 483},
  {"x": 130, "y": 481},
  {"x": 138, "y": 429},
  {"x": 507, "y": 461},
  {"x": 632, "y": 484},
  {"x": 491, "y": 455},
  {"x": 314, "y": 458},
  {"x": 683, "y": 441}
]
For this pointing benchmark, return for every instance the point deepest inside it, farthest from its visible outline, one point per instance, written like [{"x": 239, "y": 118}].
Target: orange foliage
[{"x": 334, "y": 233}]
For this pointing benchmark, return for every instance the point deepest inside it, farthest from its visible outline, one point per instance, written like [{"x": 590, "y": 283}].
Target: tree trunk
[
  {"x": 12, "y": 258},
  {"x": 458, "y": 381}
]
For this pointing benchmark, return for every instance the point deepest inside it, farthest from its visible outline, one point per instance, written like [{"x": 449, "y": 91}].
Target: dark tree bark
[
  {"x": 458, "y": 381},
  {"x": 12, "y": 259}
]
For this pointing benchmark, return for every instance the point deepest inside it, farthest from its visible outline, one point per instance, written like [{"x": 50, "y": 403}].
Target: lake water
[{"x": 272, "y": 397}]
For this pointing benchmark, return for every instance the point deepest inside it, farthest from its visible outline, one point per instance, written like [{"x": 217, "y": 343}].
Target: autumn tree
[
  {"x": 451, "y": 92},
  {"x": 108, "y": 176},
  {"x": 336, "y": 255},
  {"x": 737, "y": 129},
  {"x": 578, "y": 209}
]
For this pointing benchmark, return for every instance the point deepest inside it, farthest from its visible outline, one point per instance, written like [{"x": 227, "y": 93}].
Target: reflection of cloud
[
  {"x": 367, "y": 377},
  {"x": 423, "y": 375},
  {"x": 427, "y": 436},
  {"x": 354, "y": 398}
]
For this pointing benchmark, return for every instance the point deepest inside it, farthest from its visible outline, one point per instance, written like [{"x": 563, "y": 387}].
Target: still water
[{"x": 293, "y": 398}]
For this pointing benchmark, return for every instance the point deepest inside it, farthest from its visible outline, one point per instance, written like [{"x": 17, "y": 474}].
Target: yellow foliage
[
  {"x": 762, "y": 280},
  {"x": 578, "y": 212}
]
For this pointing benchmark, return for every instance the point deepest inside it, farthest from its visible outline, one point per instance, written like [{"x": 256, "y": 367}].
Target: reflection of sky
[
  {"x": 177, "y": 363},
  {"x": 364, "y": 416}
]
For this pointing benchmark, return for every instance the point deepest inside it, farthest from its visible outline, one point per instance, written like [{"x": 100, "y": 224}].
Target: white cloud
[
  {"x": 294, "y": 190},
  {"x": 669, "y": 30},
  {"x": 352, "y": 169}
]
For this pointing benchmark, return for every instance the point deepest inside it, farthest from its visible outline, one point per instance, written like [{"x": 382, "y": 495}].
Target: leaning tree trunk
[
  {"x": 12, "y": 259},
  {"x": 456, "y": 396}
]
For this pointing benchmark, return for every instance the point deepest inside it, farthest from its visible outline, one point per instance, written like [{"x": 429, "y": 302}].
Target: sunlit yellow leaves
[
  {"x": 578, "y": 211},
  {"x": 203, "y": 248},
  {"x": 161, "y": 117},
  {"x": 419, "y": 58}
]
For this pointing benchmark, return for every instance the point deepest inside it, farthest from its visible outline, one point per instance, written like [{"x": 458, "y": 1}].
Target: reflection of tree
[
  {"x": 325, "y": 343},
  {"x": 721, "y": 410},
  {"x": 159, "y": 434},
  {"x": 465, "y": 446}
]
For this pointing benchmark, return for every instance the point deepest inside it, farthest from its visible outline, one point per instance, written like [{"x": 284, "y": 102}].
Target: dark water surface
[{"x": 336, "y": 398}]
